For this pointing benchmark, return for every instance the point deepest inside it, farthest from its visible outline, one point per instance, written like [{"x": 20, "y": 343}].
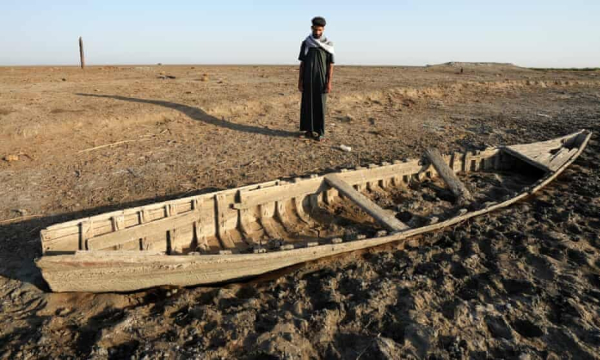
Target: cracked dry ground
[{"x": 523, "y": 282}]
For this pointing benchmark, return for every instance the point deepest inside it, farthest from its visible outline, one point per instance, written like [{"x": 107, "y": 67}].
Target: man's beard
[{"x": 317, "y": 36}]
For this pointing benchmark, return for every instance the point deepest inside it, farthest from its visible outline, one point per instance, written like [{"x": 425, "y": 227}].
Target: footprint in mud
[
  {"x": 318, "y": 289},
  {"x": 473, "y": 288},
  {"x": 518, "y": 287},
  {"x": 354, "y": 287},
  {"x": 561, "y": 310},
  {"x": 448, "y": 308},
  {"x": 553, "y": 250},
  {"x": 265, "y": 322},
  {"x": 431, "y": 270},
  {"x": 594, "y": 224},
  {"x": 542, "y": 268},
  {"x": 91, "y": 332},
  {"x": 498, "y": 327},
  {"x": 526, "y": 328},
  {"x": 578, "y": 257},
  {"x": 124, "y": 350},
  {"x": 594, "y": 280},
  {"x": 458, "y": 270},
  {"x": 564, "y": 343}
]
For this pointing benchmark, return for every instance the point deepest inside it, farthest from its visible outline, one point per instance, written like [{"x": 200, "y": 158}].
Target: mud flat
[{"x": 522, "y": 282}]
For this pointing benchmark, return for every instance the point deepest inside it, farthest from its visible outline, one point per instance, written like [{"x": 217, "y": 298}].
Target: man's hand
[
  {"x": 300, "y": 86},
  {"x": 328, "y": 88}
]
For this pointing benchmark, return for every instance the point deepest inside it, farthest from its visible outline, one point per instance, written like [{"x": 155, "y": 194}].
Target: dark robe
[{"x": 314, "y": 80}]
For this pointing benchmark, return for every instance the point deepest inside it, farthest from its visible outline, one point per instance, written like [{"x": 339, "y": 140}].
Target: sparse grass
[
  {"x": 566, "y": 69},
  {"x": 60, "y": 111},
  {"x": 4, "y": 111}
]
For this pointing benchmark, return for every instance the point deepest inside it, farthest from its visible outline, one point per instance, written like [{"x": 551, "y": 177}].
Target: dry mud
[{"x": 522, "y": 283}]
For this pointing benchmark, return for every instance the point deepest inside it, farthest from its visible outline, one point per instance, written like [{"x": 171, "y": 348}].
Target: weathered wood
[
  {"x": 542, "y": 154},
  {"x": 526, "y": 158},
  {"x": 74, "y": 224},
  {"x": 456, "y": 186},
  {"x": 86, "y": 233},
  {"x": 81, "y": 53},
  {"x": 330, "y": 196},
  {"x": 299, "y": 207},
  {"x": 249, "y": 199},
  {"x": 559, "y": 158},
  {"x": 457, "y": 161},
  {"x": 267, "y": 211},
  {"x": 284, "y": 216},
  {"x": 301, "y": 188},
  {"x": 137, "y": 232},
  {"x": 223, "y": 233},
  {"x": 249, "y": 228},
  {"x": 101, "y": 271},
  {"x": 379, "y": 214}
]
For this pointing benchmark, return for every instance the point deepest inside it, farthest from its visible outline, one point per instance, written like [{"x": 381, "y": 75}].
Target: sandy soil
[{"x": 522, "y": 283}]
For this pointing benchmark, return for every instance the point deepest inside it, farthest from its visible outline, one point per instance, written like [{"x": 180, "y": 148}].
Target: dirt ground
[{"x": 522, "y": 283}]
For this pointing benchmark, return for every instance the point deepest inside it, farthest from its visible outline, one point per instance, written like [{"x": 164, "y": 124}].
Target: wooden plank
[
  {"x": 466, "y": 165},
  {"x": 144, "y": 218},
  {"x": 118, "y": 222},
  {"x": 249, "y": 199},
  {"x": 73, "y": 225},
  {"x": 301, "y": 188},
  {"x": 525, "y": 158},
  {"x": 248, "y": 226},
  {"x": 299, "y": 207},
  {"x": 197, "y": 243},
  {"x": 222, "y": 233},
  {"x": 561, "y": 158},
  {"x": 170, "y": 210},
  {"x": 379, "y": 214},
  {"x": 457, "y": 161},
  {"x": 540, "y": 154},
  {"x": 272, "y": 230},
  {"x": 141, "y": 231},
  {"x": 270, "y": 227},
  {"x": 86, "y": 233},
  {"x": 456, "y": 186},
  {"x": 330, "y": 196},
  {"x": 284, "y": 217}
]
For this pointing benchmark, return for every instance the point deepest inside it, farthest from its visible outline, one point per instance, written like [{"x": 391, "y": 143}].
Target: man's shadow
[{"x": 200, "y": 115}]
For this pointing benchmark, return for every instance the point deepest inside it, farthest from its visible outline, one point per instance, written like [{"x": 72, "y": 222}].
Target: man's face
[{"x": 317, "y": 31}]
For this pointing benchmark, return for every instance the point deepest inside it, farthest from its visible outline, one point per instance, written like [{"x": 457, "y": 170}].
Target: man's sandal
[{"x": 305, "y": 135}]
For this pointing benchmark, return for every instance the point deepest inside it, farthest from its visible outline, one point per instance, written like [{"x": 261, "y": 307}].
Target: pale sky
[{"x": 374, "y": 32}]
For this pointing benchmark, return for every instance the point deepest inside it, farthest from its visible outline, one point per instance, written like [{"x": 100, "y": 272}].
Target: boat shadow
[
  {"x": 20, "y": 242},
  {"x": 201, "y": 115}
]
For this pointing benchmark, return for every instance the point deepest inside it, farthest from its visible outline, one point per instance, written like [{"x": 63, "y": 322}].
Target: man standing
[{"x": 316, "y": 72}]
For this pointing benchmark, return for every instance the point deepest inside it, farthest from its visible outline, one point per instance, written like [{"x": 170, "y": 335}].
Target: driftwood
[
  {"x": 22, "y": 218},
  {"x": 109, "y": 145},
  {"x": 463, "y": 196}
]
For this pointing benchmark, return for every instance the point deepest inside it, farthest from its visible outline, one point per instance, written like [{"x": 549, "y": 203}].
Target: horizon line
[{"x": 296, "y": 64}]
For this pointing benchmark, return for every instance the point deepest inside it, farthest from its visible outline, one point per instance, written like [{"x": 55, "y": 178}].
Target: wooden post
[
  {"x": 456, "y": 186},
  {"x": 81, "y": 55}
]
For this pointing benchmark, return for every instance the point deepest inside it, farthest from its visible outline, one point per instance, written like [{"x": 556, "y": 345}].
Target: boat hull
[{"x": 122, "y": 271}]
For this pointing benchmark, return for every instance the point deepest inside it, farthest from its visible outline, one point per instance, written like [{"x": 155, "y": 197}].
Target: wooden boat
[{"x": 247, "y": 231}]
